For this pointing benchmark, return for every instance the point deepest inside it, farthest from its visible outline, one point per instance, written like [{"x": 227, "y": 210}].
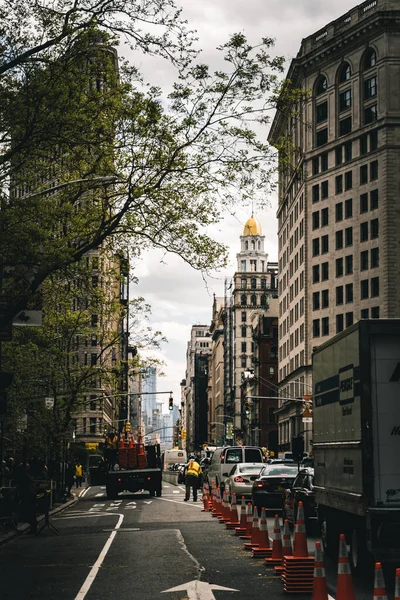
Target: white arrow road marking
[
  {"x": 95, "y": 569},
  {"x": 147, "y": 501},
  {"x": 199, "y": 590},
  {"x": 130, "y": 503}
]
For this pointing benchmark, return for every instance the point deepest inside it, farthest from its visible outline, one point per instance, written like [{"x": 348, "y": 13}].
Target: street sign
[
  {"x": 31, "y": 318},
  {"x": 91, "y": 446},
  {"x": 199, "y": 590}
]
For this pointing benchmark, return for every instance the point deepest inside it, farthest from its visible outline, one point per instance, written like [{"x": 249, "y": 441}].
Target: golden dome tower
[{"x": 252, "y": 227}]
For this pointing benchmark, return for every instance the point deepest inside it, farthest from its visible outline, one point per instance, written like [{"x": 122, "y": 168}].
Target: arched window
[
  {"x": 246, "y": 245},
  {"x": 244, "y": 330},
  {"x": 244, "y": 283},
  {"x": 263, "y": 300},
  {"x": 243, "y": 299},
  {"x": 253, "y": 245},
  {"x": 253, "y": 283},
  {"x": 369, "y": 59},
  {"x": 254, "y": 300},
  {"x": 344, "y": 72},
  {"x": 259, "y": 245},
  {"x": 321, "y": 85},
  {"x": 263, "y": 284}
]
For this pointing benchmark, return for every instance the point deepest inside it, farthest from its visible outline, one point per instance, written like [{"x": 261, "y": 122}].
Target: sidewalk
[{"x": 57, "y": 507}]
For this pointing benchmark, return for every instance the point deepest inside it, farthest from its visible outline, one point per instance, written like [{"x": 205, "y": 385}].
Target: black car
[
  {"x": 271, "y": 484},
  {"x": 302, "y": 489}
]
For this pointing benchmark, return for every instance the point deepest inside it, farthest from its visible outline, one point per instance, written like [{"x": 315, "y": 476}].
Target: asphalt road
[{"x": 137, "y": 547}]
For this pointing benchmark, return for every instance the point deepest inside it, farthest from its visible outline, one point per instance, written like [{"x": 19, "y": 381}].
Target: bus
[{"x": 170, "y": 457}]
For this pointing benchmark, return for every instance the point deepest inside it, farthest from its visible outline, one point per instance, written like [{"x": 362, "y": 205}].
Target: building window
[
  {"x": 369, "y": 59},
  {"x": 374, "y": 224},
  {"x": 339, "y": 212},
  {"x": 373, "y": 170},
  {"x": 325, "y": 299},
  {"x": 244, "y": 283},
  {"x": 374, "y": 287},
  {"x": 244, "y": 331},
  {"x": 243, "y": 362},
  {"x": 339, "y": 184},
  {"x": 348, "y": 151},
  {"x": 315, "y": 220},
  {"x": 243, "y": 317},
  {"x": 344, "y": 100},
  {"x": 349, "y": 319},
  {"x": 315, "y": 165},
  {"x": 364, "y": 289},
  {"x": 322, "y": 112},
  {"x": 94, "y": 319},
  {"x": 324, "y": 217},
  {"x": 348, "y": 180},
  {"x": 370, "y": 87},
  {"x": 263, "y": 284},
  {"x": 375, "y": 312},
  {"x": 348, "y": 236},
  {"x": 92, "y": 422},
  {"x": 315, "y": 273},
  {"x": 339, "y": 295},
  {"x": 344, "y": 72},
  {"x": 373, "y": 140},
  {"x": 374, "y": 258},
  {"x": 364, "y": 231},
  {"x": 253, "y": 300},
  {"x": 325, "y": 271},
  {"x": 363, "y": 203},
  {"x": 315, "y": 193},
  {"x": 316, "y": 329},
  {"x": 243, "y": 267},
  {"x": 243, "y": 299},
  {"x": 325, "y": 325},
  {"x": 253, "y": 283},
  {"x": 315, "y": 247},
  {"x": 345, "y": 126},
  {"x": 349, "y": 293},
  {"x": 363, "y": 174},
  {"x": 348, "y": 208},
  {"x": 316, "y": 303},
  {"x": 370, "y": 114},
  {"x": 338, "y": 155},
  {"x": 244, "y": 346},
  {"x": 321, "y": 137},
  {"x": 364, "y": 260},
  {"x": 363, "y": 145},
  {"x": 349, "y": 264},
  {"x": 324, "y": 190},
  {"x": 321, "y": 85},
  {"x": 339, "y": 267},
  {"x": 339, "y": 323},
  {"x": 325, "y": 244},
  {"x": 324, "y": 162},
  {"x": 339, "y": 239},
  {"x": 374, "y": 199},
  {"x": 364, "y": 313}
]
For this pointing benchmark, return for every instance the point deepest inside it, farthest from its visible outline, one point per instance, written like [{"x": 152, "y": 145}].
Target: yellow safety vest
[
  {"x": 193, "y": 468},
  {"x": 78, "y": 470}
]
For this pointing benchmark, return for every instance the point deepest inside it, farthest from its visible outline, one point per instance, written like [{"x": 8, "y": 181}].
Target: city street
[{"x": 137, "y": 547}]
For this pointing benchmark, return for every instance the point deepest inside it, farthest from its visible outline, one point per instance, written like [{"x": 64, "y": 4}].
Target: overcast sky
[{"x": 178, "y": 295}]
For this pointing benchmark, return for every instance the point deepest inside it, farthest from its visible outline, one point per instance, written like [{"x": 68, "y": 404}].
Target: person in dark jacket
[{"x": 26, "y": 491}]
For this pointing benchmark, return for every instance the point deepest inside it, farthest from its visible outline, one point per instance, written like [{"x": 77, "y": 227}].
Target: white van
[
  {"x": 224, "y": 458},
  {"x": 171, "y": 457}
]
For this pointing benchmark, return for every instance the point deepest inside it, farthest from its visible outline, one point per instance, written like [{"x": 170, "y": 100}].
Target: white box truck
[{"x": 356, "y": 440}]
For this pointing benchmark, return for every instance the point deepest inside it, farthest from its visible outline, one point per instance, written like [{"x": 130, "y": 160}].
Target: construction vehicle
[
  {"x": 129, "y": 465},
  {"x": 356, "y": 441}
]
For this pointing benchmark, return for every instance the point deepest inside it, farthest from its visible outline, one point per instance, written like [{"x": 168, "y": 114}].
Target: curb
[{"x": 24, "y": 527}]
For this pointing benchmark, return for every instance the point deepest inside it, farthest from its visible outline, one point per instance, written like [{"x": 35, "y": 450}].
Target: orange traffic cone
[
  {"x": 320, "y": 591},
  {"x": 121, "y": 444},
  {"x": 397, "y": 586},
  {"x": 379, "y": 583},
  {"x": 264, "y": 548},
  {"x": 233, "y": 515},
  {"x": 243, "y": 519},
  {"x": 300, "y": 540},
  {"x": 205, "y": 499},
  {"x": 344, "y": 585},
  {"x": 276, "y": 557},
  {"x": 286, "y": 545},
  {"x": 226, "y": 509},
  {"x": 249, "y": 523},
  {"x": 255, "y": 530}
]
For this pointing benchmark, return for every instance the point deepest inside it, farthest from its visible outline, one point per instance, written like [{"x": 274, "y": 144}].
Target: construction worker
[
  {"x": 78, "y": 474},
  {"x": 192, "y": 478}
]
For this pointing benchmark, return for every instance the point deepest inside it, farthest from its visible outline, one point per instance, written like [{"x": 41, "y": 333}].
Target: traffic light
[
  {"x": 171, "y": 403},
  {"x": 297, "y": 448},
  {"x": 247, "y": 407},
  {"x": 127, "y": 427}
]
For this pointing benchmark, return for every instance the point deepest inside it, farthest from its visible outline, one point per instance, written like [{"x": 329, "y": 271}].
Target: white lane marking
[
  {"x": 129, "y": 507},
  {"x": 83, "y": 492},
  {"x": 176, "y": 492},
  {"x": 193, "y": 504},
  {"x": 99, "y": 494},
  {"x": 94, "y": 505},
  {"x": 130, "y": 504},
  {"x": 95, "y": 509},
  {"x": 95, "y": 569},
  {"x": 147, "y": 501},
  {"x": 102, "y": 487},
  {"x": 86, "y": 515}
]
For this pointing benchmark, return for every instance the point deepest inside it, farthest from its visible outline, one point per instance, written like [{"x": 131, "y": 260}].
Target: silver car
[{"x": 240, "y": 479}]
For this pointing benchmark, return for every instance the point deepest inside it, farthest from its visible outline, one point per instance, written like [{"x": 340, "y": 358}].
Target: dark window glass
[
  {"x": 243, "y": 317},
  {"x": 374, "y": 199},
  {"x": 325, "y": 325},
  {"x": 325, "y": 244},
  {"x": 348, "y": 180},
  {"x": 93, "y": 359},
  {"x": 370, "y": 114},
  {"x": 339, "y": 295},
  {"x": 325, "y": 271},
  {"x": 364, "y": 174},
  {"x": 338, "y": 155},
  {"x": 349, "y": 292},
  {"x": 324, "y": 162},
  {"x": 244, "y": 330},
  {"x": 364, "y": 313},
  {"x": 339, "y": 267},
  {"x": 339, "y": 211},
  {"x": 375, "y": 312},
  {"x": 315, "y": 270},
  {"x": 374, "y": 287},
  {"x": 364, "y": 203},
  {"x": 315, "y": 219},
  {"x": 339, "y": 184},
  {"x": 364, "y": 231},
  {"x": 370, "y": 58},
  {"x": 348, "y": 236},
  {"x": 263, "y": 284},
  {"x": 373, "y": 140},
  {"x": 349, "y": 264},
  {"x": 315, "y": 193},
  {"x": 344, "y": 73},
  {"x": 94, "y": 320},
  {"x": 339, "y": 323},
  {"x": 315, "y": 166},
  {"x": 321, "y": 85},
  {"x": 316, "y": 330},
  {"x": 374, "y": 229},
  {"x": 244, "y": 345},
  {"x": 345, "y": 126},
  {"x": 348, "y": 208},
  {"x": 324, "y": 190},
  {"x": 324, "y": 217},
  {"x": 316, "y": 303},
  {"x": 364, "y": 289},
  {"x": 344, "y": 100},
  {"x": 364, "y": 260},
  {"x": 369, "y": 88},
  {"x": 349, "y": 319},
  {"x": 374, "y": 258},
  {"x": 322, "y": 112},
  {"x": 321, "y": 137},
  {"x": 253, "y": 283},
  {"x": 373, "y": 170},
  {"x": 339, "y": 239},
  {"x": 364, "y": 144},
  {"x": 324, "y": 298},
  {"x": 243, "y": 299},
  {"x": 348, "y": 151},
  {"x": 315, "y": 247}
]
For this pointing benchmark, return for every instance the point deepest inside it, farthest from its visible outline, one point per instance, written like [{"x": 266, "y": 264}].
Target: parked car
[
  {"x": 225, "y": 458},
  {"x": 240, "y": 479},
  {"x": 270, "y": 485},
  {"x": 302, "y": 489}
]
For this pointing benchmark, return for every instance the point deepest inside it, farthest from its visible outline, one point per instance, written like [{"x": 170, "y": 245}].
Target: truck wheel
[
  {"x": 111, "y": 492},
  {"x": 327, "y": 536},
  {"x": 152, "y": 492},
  {"x": 159, "y": 492},
  {"x": 358, "y": 554}
]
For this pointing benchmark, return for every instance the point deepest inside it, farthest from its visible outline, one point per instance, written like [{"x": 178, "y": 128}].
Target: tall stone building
[{"x": 338, "y": 213}]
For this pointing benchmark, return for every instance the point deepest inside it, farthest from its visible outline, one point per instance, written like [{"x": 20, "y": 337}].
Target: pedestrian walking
[
  {"x": 192, "y": 478},
  {"x": 78, "y": 475}
]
